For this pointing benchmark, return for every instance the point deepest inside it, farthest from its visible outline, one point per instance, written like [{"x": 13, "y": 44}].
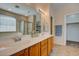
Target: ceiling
[
  {"x": 21, "y": 9},
  {"x": 44, "y": 6},
  {"x": 24, "y": 7}
]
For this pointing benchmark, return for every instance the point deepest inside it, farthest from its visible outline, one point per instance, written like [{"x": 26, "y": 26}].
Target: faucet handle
[{"x": 17, "y": 38}]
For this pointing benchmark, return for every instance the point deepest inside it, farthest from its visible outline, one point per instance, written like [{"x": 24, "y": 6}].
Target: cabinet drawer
[
  {"x": 43, "y": 47},
  {"x": 44, "y": 42}
]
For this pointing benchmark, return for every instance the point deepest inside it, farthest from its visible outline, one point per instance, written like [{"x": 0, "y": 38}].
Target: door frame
[
  {"x": 52, "y": 25},
  {"x": 65, "y": 25}
]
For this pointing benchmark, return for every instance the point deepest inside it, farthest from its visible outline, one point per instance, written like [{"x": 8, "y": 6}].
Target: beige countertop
[{"x": 27, "y": 41}]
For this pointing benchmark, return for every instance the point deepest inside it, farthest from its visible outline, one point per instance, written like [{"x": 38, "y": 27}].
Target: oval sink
[{"x": 3, "y": 47}]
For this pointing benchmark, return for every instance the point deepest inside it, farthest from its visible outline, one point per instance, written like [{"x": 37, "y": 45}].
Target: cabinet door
[
  {"x": 50, "y": 45},
  {"x": 52, "y": 40},
  {"x": 34, "y": 50},
  {"x": 44, "y": 48},
  {"x": 26, "y": 53}
]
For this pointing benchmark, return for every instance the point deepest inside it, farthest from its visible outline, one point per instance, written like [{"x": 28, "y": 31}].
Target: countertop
[{"x": 26, "y": 42}]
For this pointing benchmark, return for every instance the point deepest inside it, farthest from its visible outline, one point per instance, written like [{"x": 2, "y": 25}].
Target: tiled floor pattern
[
  {"x": 73, "y": 44},
  {"x": 65, "y": 51}
]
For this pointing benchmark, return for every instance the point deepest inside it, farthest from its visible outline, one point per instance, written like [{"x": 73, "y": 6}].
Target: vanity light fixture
[
  {"x": 9, "y": 9},
  {"x": 42, "y": 11},
  {"x": 25, "y": 15},
  {"x": 14, "y": 6},
  {"x": 17, "y": 6},
  {"x": 28, "y": 11}
]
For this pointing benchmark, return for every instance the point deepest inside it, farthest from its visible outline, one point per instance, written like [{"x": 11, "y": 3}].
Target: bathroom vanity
[
  {"x": 34, "y": 41},
  {"x": 38, "y": 46}
]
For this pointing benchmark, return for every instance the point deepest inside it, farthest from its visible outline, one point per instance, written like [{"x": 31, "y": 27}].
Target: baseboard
[{"x": 60, "y": 44}]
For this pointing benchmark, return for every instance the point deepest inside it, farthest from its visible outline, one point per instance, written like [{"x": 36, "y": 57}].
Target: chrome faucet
[
  {"x": 17, "y": 39},
  {"x": 32, "y": 34}
]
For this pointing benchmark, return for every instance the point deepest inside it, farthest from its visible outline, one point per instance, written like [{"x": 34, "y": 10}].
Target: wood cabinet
[
  {"x": 43, "y": 48},
  {"x": 26, "y": 52},
  {"x": 50, "y": 45},
  {"x": 34, "y": 50},
  {"x": 21, "y": 53}
]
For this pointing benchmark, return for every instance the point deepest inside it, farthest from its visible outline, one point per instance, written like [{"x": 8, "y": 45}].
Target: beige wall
[
  {"x": 45, "y": 8},
  {"x": 59, "y": 11}
]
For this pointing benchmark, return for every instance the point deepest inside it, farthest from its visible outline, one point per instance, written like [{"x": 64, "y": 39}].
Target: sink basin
[
  {"x": 3, "y": 46},
  {"x": 26, "y": 37},
  {"x": 6, "y": 43}
]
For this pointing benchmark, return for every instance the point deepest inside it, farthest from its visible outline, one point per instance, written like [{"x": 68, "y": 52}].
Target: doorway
[{"x": 72, "y": 30}]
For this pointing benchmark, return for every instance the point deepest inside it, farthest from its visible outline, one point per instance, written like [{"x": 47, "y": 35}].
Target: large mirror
[
  {"x": 14, "y": 23},
  {"x": 31, "y": 24}
]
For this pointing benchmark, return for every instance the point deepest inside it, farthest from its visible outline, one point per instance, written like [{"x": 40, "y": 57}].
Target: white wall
[
  {"x": 73, "y": 32},
  {"x": 59, "y": 11}
]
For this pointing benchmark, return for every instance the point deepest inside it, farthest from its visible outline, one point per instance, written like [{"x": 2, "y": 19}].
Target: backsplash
[{"x": 10, "y": 35}]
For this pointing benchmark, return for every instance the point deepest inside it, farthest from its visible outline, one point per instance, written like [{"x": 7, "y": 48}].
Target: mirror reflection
[{"x": 27, "y": 25}]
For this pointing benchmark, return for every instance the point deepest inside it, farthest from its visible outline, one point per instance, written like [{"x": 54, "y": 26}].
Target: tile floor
[
  {"x": 65, "y": 51},
  {"x": 72, "y": 43}
]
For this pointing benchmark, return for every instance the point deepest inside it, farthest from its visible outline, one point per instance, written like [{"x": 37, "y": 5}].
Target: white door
[{"x": 73, "y": 32}]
